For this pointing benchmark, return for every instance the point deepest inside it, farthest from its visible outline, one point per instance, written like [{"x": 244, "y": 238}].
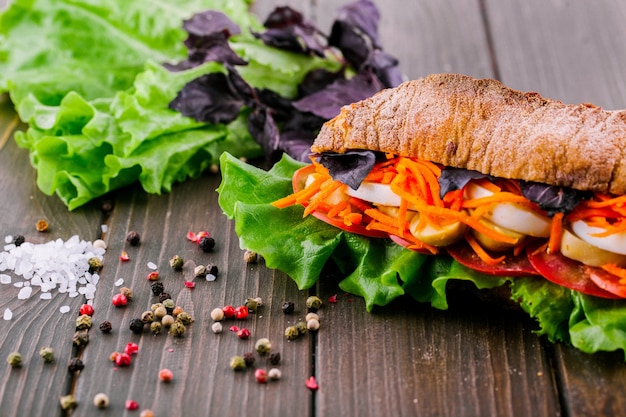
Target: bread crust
[{"x": 480, "y": 124}]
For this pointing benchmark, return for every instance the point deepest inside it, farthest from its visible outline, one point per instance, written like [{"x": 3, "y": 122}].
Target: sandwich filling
[{"x": 490, "y": 224}]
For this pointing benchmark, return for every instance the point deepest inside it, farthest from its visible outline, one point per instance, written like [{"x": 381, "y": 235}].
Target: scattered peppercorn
[
  {"x": 237, "y": 363},
  {"x": 313, "y": 325},
  {"x": 160, "y": 312},
  {"x": 288, "y": 307},
  {"x": 176, "y": 262},
  {"x": 99, "y": 244},
  {"x": 86, "y": 309},
  {"x": 311, "y": 384},
  {"x": 80, "y": 339},
  {"x": 131, "y": 348},
  {"x": 164, "y": 296},
  {"x": 147, "y": 316},
  {"x": 133, "y": 238},
  {"x": 154, "y": 306},
  {"x": 177, "y": 310},
  {"x": 157, "y": 288},
  {"x": 190, "y": 284},
  {"x": 310, "y": 316},
  {"x": 155, "y": 327},
  {"x": 313, "y": 303},
  {"x": 249, "y": 359},
  {"x": 131, "y": 405},
  {"x": 153, "y": 276},
  {"x": 274, "y": 358},
  {"x": 95, "y": 264},
  {"x": 83, "y": 322},
  {"x": 18, "y": 240},
  {"x": 259, "y": 301},
  {"x": 113, "y": 356},
  {"x": 263, "y": 346},
  {"x": 167, "y": 320},
  {"x": 251, "y": 304},
  {"x": 207, "y": 243},
  {"x": 41, "y": 225},
  {"x": 124, "y": 257},
  {"x": 169, "y": 305},
  {"x": 185, "y": 318},
  {"x": 75, "y": 365},
  {"x": 119, "y": 300},
  {"x": 292, "y": 333},
  {"x": 122, "y": 359},
  {"x": 68, "y": 402},
  {"x": 250, "y": 257},
  {"x": 106, "y": 326},
  {"x": 241, "y": 312},
  {"x": 229, "y": 312},
  {"x": 177, "y": 329},
  {"x": 261, "y": 376},
  {"x": 136, "y": 326},
  {"x": 47, "y": 353},
  {"x": 14, "y": 359},
  {"x": 301, "y": 326},
  {"x": 211, "y": 269},
  {"x": 101, "y": 400},
  {"x": 128, "y": 293},
  {"x": 199, "y": 271},
  {"x": 243, "y": 333},
  {"x": 146, "y": 413},
  {"x": 166, "y": 375},
  {"x": 216, "y": 327},
  {"x": 274, "y": 374}
]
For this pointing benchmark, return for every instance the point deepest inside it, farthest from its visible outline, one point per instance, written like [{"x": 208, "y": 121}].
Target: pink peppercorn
[
  {"x": 86, "y": 309},
  {"x": 192, "y": 236},
  {"x": 124, "y": 256},
  {"x": 234, "y": 329},
  {"x": 119, "y": 300},
  {"x": 131, "y": 405},
  {"x": 229, "y": 312},
  {"x": 166, "y": 375},
  {"x": 243, "y": 333},
  {"x": 261, "y": 376},
  {"x": 311, "y": 384},
  {"x": 131, "y": 348},
  {"x": 122, "y": 359},
  {"x": 153, "y": 276},
  {"x": 241, "y": 312},
  {"x": 190, "y": 284}
]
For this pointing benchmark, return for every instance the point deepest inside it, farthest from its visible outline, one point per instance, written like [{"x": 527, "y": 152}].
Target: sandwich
[{"x": 503, "y": 187}]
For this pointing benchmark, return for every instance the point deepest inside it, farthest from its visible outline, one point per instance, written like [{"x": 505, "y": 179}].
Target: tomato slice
[
  {"x": 512, "y": 266},
  {"x": 403, "y": 242},
  {"x": 606, "y": 280},
  {"x": 299, "y": 180},
  {"x": 566, "y": 272}
]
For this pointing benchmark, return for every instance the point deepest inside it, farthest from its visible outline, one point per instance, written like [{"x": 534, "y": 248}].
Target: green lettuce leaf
[{"x": 380, "y": 271}]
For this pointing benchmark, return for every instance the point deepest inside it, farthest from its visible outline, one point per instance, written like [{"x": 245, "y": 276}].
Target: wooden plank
[{"x": 573, "y": 52}]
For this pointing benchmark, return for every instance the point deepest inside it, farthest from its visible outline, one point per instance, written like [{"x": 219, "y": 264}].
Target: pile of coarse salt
[{"x": 55, "y": 266}]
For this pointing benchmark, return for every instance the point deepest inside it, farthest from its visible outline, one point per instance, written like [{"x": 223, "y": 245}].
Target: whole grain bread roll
[{"x": 480, "y": 124}]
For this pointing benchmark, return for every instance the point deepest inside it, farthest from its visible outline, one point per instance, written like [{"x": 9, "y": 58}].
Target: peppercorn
[
  {"x": 106, "y": 326},
  {"x": 119, "y": 300},
  {"x": 243, "y": 333},
  {"x": 68, "y": 402},
  {"x": 185, "y": 318},
  {"x": 136, "y": 326},
  {"x": 310, "y": 316},
  {"x": 155, "y": 327},
  {"x": 261, "y": 376},
  {"x": 157, "y": 288},
  {"x": 313, "y": 303},
  {"x": 207, "y": 243},
  {"x": 18, "y": 240},
  {"x": 177, "y": 310},
  {"x": 101, "y": 400},
  {"x": 217, "y": 314},
  {"x": 127, "y": 292},
  {"x": 263, "y": 346},
  {"x": 177, "y": 329},
  {"x": 147, "y": 316},
  {"x": 176, "y": 262},
  {"x": 86, "y": 309},
  {"x": 167, "y": 320},
  {"x": 237, "y": 363},
  {"x": 164, "y": 296},
  {"x": 313, "y": 325},
  {"x": 259, "y": 301},
  {"x": 83, "y": 322},
  {"x": 133, "y": 238},
  {"x": 229, "y": 312},
  {"x": 146, "y": 413},
  {"x": 14, "y": 359},
  {"x": 113, "y": 356},
  {"x": 250, "y": 257},
  {"x": 169, "y": 305},
  {"x": 301, "y": 326},
  {"x": 95, "y": 264},
  {"x": 274, "y": 358},
  {"x": 153, "y": 276},
  {"x": 131, "y": 405},
  {"x": 166, "y": 375},
  {"x": 75, "y": 365},
  {"x": 274, "y": 374},
  {"x": 211, "y": 269},
  {"x": 199, "y": 271},
  {"x": 99, "y": 244},
  {"x": 241, "y": 312},
  {"x": 41, "y": 225},
  {"x": 288, "y": 307},
  {"x": 47, "y": 353},
  {"x": 249, "y": 359},
  {"x": 131, "y": 348},
  {"x": 123, "y": 359},
  {"x": 251, "y": 304},
  {"x": 160, "y": 312},
  {"x": 292, "y": 333},
  {"x": 154, "y": 306},
  {"x": 80, "y": 339},
  {"x": 216, "y": 327}
]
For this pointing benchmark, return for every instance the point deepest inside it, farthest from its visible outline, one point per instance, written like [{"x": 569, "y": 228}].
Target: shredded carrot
[
  {"x": 482, "y": 254},
  {"x": 556, "y": 233},
  {"x": 303, "y": 195},
  {"x": 501, "y": 197},
  {"x": 352, "y": 219},
  {"x": 338, "y": 208},
  {"x": 326, "y": 189}
]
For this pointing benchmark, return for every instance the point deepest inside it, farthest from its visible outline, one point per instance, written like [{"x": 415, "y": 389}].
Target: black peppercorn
[
  {"x": 133, "y": 238},
  {"x": 75, "y": 365},
  {"x": 106, "y": 326},
  {"x": 288, "y": 307},
  {"x": 136, "y": 326},
  {"x": 80, "y": 339},
  {"x": 157, "y": 288},
  {"x": 274, "y": 358},
  {"x": 164, "y": 296},
  {"x": 249, "y": 359},
  {"x": 211, "y": 269},
  {"x": 19, "y": 239},
  {"x": 207, "y": 244}
]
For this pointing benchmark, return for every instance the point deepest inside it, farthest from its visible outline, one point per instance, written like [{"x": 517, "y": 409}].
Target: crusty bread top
[{"x": 480, "y": 124}]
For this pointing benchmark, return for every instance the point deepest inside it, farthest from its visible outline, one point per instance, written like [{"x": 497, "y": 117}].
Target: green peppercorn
[
  {"x": 47, "y": 353},
  {"x": 167, "y": 320},
  {"x": 83, "y": 322},
  {"x": 15, "y": 359},
  {"x": 160, "y": 312},
  {"x": 80, "y": 339},
  {"x": 313, "y": 303},
  {"x": 292, "y": 333},
  {"x": 177, "y": 329},
  {"x": 155, "y": 327},
  {"x": 177, "y": 263},
  {"x": 301, "y": 326},
  {"x": 128, "y": 293},
  {"x": 251, "y": 304},
  {"x": 263, "y": 346},
  {"x": 136, "y": 326},
  {"x": 154, "y": 306},
  {"x": 95, "y": 264},
  {"x": 147, "y": 316},
  {"x": 68, "y": 402},
  {"x": 185, "y": 318},
  {"x": 169, "y": 305},
  {"x": 237, "y": 363}
]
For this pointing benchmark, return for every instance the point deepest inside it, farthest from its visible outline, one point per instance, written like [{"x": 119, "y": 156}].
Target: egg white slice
[
  {"x": 615, "y": 243},
  {"x": 376, "y": 193}
]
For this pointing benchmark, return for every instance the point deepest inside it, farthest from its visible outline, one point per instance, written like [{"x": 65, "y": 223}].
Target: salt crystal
[
  {"x": 64, "y": 309},
  {"x": 8, "y": 314},
  {"x": 104, "y": 228},
  {"x": 18, "y": 284},
  {"x": 5, "y": 279},
  {"x": 152, "y": 265},
  {"x": 8, "y": 239},
  {"x": 25, "y": 293},
  {"x": 45, "y": 296},
  {"x": 210, "y": 277},
  {"x": 119, "y": 282}
]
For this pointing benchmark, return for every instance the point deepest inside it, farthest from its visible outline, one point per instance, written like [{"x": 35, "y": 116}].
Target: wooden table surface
[{"x": 402, "y": 360}]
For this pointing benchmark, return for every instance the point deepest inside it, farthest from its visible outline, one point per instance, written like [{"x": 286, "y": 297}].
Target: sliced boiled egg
[
  {"x": 578, "y": 249},
  {"x": 376, "y": 193},
  {"x": 615, "y": 242},
  {"x": 494, "y": 245},
  {"x": 511, "y": 216},
  {"x": 436, "y": 235}
]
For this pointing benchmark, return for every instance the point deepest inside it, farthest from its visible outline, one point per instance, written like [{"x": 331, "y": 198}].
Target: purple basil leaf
[
  {"x": 297, "y": 144},
  {"x": 287, "y": 28},
  {"x": 553, "y": 199},
  {"x": 364, "y": 15},
  {"x": 456, "y": 178},
  {"x": 317, "y": 80},
  {"x": 209, "y": 22},
  {"x": 355, "y": 31},
  {"x": 385, "y": 67},
  {"x": 213, "y": 98},
  {"x": 350, "y": 168},
  {"x": 327, "y": 103},
  {"x": 263, "y": 129}
]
